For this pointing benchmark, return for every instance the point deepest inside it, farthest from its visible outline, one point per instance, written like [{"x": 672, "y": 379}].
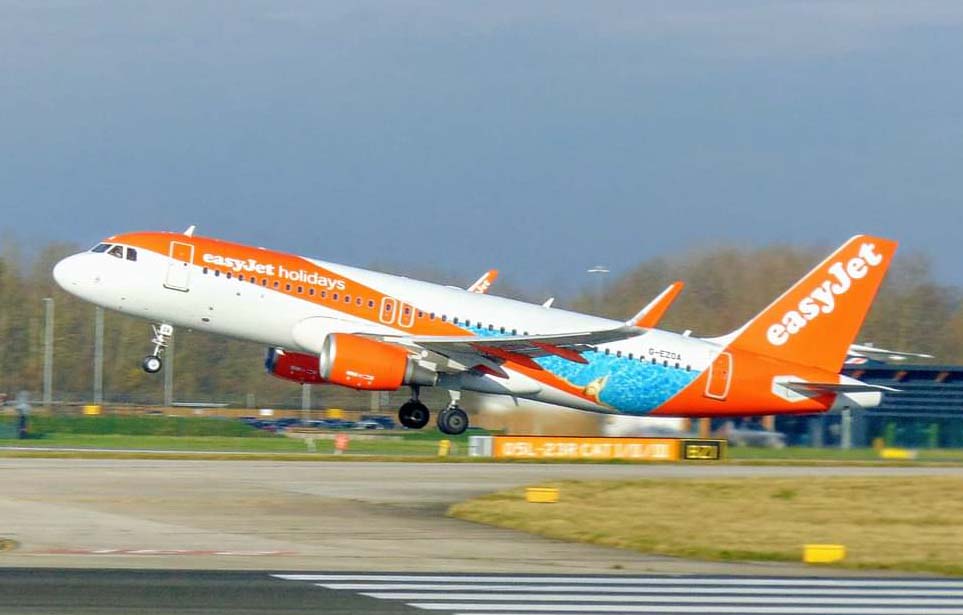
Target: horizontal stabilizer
[
  {"x": 836, "y": 387},
  {"x": 872, "y": 352}
]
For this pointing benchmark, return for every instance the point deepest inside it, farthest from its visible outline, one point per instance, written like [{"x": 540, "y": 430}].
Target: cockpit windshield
[{"x": 116, "y": 250}]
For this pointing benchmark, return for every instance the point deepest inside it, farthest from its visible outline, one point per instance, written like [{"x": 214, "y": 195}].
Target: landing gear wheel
[
  {"x": 452, "y": 421},
  {"x": 152, "y": 364},
  {"x": 414, "y": 414}
]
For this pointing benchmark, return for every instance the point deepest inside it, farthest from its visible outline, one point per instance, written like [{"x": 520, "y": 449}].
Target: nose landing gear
[{"x": 162, "y": 335}]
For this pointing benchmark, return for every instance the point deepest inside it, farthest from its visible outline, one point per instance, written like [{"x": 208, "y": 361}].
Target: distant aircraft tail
[{"x": 815, "y": 321}]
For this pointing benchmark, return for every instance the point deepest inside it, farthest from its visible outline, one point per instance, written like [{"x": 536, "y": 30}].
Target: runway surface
[
  {"x": 243, "y": 515},
  {"x": 186, "y": 592}
]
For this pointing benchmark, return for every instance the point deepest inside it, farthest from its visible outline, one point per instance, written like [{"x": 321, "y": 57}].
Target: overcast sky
[{"x": 537, "y": 137}]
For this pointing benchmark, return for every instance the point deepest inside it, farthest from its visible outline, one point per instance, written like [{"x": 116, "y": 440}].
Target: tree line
[{"x": 725, "y": 287}]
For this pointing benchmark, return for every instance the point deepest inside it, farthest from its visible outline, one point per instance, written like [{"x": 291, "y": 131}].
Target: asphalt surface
[
  {"x": 244, "y": 515},
  {"x": 139, "y": 592},
  {"x": 190, "y": 592}
]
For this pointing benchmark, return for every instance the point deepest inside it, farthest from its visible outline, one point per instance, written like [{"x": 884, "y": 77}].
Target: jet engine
[
  {"x": 295, "y": 366},
  {"x": 365, "y": 364}
]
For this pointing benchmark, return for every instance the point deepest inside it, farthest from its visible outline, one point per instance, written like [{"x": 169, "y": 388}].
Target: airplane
[{"x": 366, "y": 330}]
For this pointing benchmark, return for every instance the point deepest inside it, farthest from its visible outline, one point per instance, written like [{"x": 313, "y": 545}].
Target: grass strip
[{"x": 907, "y": 524}]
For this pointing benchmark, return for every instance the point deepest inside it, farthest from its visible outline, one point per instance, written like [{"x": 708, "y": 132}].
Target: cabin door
[
  {"x": 181, "y": 257},
  {"x": 720, "y": 377}
]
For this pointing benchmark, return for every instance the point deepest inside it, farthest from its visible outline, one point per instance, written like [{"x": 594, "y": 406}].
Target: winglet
[
  {"x": 650, "y": 315},
  {"x": 190, "y": 230},
  {"x": 483, "y": 283}
]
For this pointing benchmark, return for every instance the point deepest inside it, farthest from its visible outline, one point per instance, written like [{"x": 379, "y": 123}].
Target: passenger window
[
  {"x": 358, "y": 302},
  {"x": 467, "y": 323},
  {"x": 240, "y": 278},
  {"x": 444, "y": 318},
  {"x": 347, "y": 298},
  {"x": 630, "y": 356},
  {"x": 618, "y": 353},
  {"x": 205, "y": 271},
  {"x": 501, "y": 329},
  {"x": 276, "y": 284},
  {"x": 324, "y": 294},
  {"x": 514, "y": 331},
  {"x": 454, "y": 320},
  {"x": 229, "y": 275},
  {"x": 117, "y": 252},
  {"x": 131, "y": 254},
  {"x": 311, "y": 291},
  {"x": 665, "y": 364},
  {"x": 217, "y": 273},
  {"x": 100, "y": 248},
  {"x": 334, "y": 296},
  {"x": 300, "y": 290},
  {"x": 287, "y": 287},
  {"x": 607, "y": 351},
  {"x": 491, "y": 327},
  {"x": 263, "y": 281}
]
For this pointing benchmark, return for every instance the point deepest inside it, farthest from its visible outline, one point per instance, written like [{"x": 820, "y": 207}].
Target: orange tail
[{"x": 815, "y": 321}]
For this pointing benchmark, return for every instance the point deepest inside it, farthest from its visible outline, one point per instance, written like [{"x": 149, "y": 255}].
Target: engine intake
[{"x": 365, "y": 364}]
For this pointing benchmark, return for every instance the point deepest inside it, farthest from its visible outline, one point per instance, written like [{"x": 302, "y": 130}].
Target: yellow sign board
[
  {"x": 628, "y": 449},
  {"x": 91, "y": 410}
]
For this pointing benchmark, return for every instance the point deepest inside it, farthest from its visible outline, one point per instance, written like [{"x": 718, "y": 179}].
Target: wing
[{"x": 521, "y": 349}]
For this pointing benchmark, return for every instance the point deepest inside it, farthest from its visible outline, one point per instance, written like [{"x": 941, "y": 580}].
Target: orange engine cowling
[
  {"x": 361, "y": 363},
  {"x": 294, "y": 366}
]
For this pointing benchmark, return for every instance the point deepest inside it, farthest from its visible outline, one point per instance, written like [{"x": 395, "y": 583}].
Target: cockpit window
[
  {"x": 117, "y": 251},
  {"x": 131, "y": 254},
  {"x": 100, "y": 247}
]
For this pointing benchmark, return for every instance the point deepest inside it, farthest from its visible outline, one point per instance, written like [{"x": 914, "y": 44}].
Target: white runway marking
[{"x": 544, "y": 595}]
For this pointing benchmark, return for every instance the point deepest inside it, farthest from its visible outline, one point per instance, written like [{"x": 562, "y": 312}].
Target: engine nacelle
[
  {"x": 294, "y": 366},
  {"x": 365, "y": 364}
]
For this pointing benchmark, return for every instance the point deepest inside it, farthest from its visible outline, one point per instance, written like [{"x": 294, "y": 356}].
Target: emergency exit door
[
  {"x": 179, "y": 266},
  {"x": 720, "y": 376}
]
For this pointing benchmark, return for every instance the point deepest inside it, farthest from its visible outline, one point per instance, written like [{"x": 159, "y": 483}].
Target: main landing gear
[
  {"x": 414, "y": 415},
  {"x": 162, "y": 335},
  {"x": 452, "y": 420}
]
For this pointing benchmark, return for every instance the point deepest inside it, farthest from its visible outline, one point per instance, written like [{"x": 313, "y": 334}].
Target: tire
[
  {"x": 452, "y": 421},
  {"x": 414, "y": 415},
  {"x": 152, "y": 364}
]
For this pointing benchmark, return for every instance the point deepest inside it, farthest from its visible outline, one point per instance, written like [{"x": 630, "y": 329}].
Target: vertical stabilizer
[{"x": 815, "y": 321}]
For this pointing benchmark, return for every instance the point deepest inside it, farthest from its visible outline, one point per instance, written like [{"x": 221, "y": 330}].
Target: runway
[
  {"x": 188, "y": 592},
  {"x": 241, "y": 515}
]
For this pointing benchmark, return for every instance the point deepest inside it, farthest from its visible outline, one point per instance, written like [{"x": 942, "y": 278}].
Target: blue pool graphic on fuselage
[{"x": 631, "y": 386}]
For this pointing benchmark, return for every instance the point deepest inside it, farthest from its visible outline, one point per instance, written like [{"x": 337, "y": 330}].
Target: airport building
[{"x": 925, "y": 410}]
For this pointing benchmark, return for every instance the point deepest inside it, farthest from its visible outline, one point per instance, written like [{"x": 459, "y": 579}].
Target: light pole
[
  {"x": 598, "y": 272},
  {"x": 48, "y": 339},
  {"x": 98, "y": 355}
]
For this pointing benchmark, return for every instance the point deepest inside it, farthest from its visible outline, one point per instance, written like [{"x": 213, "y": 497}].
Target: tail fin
[{"x": 815, "y": 321}]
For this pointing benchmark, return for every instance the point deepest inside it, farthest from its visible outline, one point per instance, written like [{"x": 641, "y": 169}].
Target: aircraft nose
[{"x": 66, "y": 274}]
